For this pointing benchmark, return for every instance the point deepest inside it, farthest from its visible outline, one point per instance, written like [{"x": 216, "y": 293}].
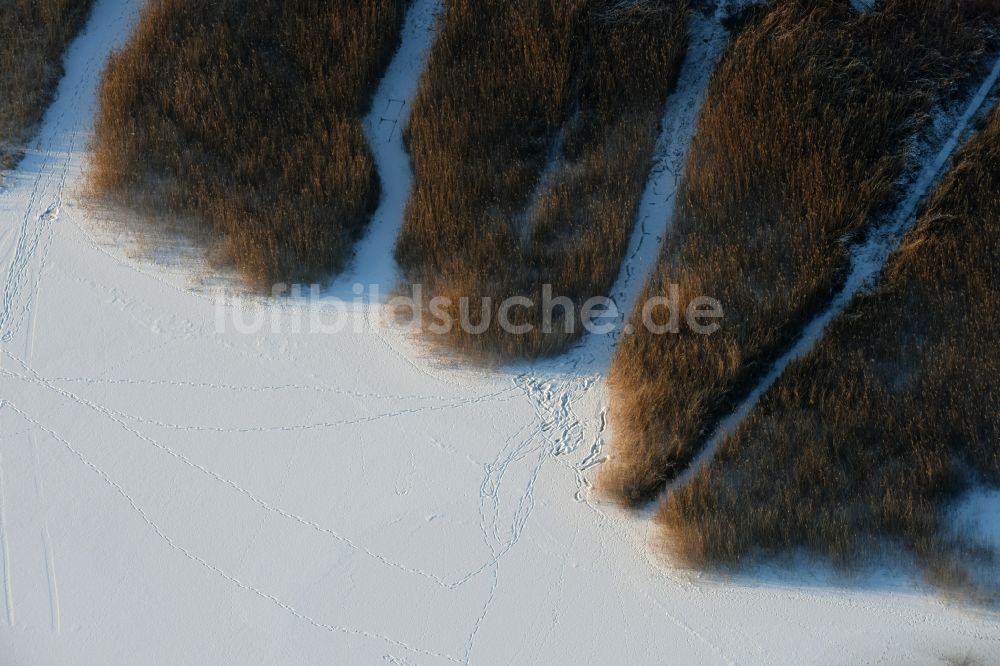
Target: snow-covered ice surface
[{"x": 172, "y": 494}]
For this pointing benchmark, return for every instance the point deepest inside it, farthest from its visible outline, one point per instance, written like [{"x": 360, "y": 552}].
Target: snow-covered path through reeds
[
  {"x": 557, "y": 384},
  {"x": 373, "y": 262}
]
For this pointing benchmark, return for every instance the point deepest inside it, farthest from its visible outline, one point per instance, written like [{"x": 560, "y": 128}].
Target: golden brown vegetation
[
  {"x": 246, "y": 117},
  {"x": 892, "y": 416},
  {"x": 33, "y": 36},
  {"x": 531, "y": 138},
  {"x": 799, "y": 147}
]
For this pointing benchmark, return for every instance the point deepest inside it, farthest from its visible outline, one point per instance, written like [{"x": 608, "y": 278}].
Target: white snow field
[{"x": 173, "y": 491}]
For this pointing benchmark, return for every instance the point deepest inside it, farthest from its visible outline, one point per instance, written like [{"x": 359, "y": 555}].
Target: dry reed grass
[
  {"x": 33, "y": 36},
  {"x": 246, "y": 117},
  {"x": 890, "y": 419},
  {"x": 799, "y": 148},
  {"x": 532, "y": 137}
]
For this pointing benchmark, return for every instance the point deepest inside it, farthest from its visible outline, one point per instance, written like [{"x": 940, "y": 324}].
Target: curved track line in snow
[
  {"x": 499, "y": 396},
  {"x": 518, "y": 448},
  {"x": 120, "y": 422},
  {"x": 244, "y": 388},
  {"x": 867, "y": 262},
  {"x": 204, "y": 563},
  {"x": 500, "y": 545}
]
